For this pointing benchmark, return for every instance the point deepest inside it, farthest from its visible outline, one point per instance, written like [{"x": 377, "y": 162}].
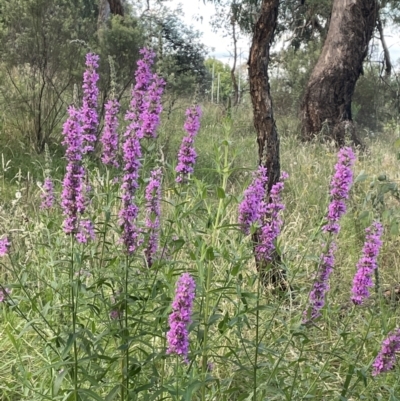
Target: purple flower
[
  {"x": 367, "y": 263},
  {"x": 340, "y": 187},
  {"x": 86, "y": 232},
  {"x": 153, "y": 198},
  {"x": 387, "y": 355},
  {"x": 4, "y": 246},
  {"x": 90, "y": 119},
  {"x": 4, "y": 292},
  {"x": 187, "y": 155},
  {"x": 271, "y": 222},
  {"x": 47, "y": 196},
  {"x": 110, "y": 134},
  {"x": 321, "y": 284},
  {"x": 252, "y": 207},
  {"x": 180, "y": 318},
  {"x": 73, "y": 200}
]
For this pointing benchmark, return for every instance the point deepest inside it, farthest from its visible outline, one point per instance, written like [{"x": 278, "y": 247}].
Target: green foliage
[
  {"x": 225, "y": 85},
  {"x": 40, "y": 59}
]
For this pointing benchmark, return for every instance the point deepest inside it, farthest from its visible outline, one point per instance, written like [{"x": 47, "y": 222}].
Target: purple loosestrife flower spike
[
  {"x": 340, "y": 187},
  {"x": 86, "y": 232},
  {"x": 151, "y": 114},
  {"x": 90, "y": 118},
  {"x": 4, "y": 246},
  {"x": 387, "y": 355},
  {"x": 73, "y": 194},
  {"x": 252, "y": 207},
  {"x": 272, "y": 222},
  {"x": 180, "y": 318},
  {"x": 187, "y": 155},
  {"x": 153, "y": 198},
  {"x": 47, "y": 196},
  {"x": 110, "y": 134},
  {"x": 367, "y": 264},
  {"x": 321, "y": 284},
  {"x": 138, "y": 104}
]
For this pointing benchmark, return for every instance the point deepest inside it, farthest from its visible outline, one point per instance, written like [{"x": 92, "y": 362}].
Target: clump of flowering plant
[
  {"x": 340, "y": 188},
  {"x": 180, "y": 318}
]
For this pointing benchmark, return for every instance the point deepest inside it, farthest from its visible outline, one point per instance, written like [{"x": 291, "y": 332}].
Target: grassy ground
[{"x": 253, "y": 339}]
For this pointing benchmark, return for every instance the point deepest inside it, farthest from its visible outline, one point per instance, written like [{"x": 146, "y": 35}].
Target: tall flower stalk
[
  {"x": 73, "y": 200},
  {"x": 367, "y": 264},
  {"x": 153, "y": 198},
  {"x": 180, "y": 318},
  {"x": 187, "y": 155},
  {"x": 137, "y": 115},
  {"x": 340, "y": 188},
  {"x": 90, "y": 118}
]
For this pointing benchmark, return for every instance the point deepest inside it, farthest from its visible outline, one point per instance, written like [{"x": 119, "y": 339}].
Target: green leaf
[
  {"x": 58, "y": 381},
  {"x": 396, "y": 144},
  {"x": 111, "y": 395},
  {"x": 220, "y": 193},
  {"x": 71, "y": 338},
  {"x": 361, "y": 177},
  {"x": 210, "y": 253}
]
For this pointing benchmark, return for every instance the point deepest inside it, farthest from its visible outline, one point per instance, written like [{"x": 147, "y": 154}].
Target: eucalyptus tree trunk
[
  {"x": 326, "y": 105},
  {"x": 264, "y": 122}
]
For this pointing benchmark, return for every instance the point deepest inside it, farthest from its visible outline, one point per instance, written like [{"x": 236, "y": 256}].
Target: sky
[{"x": 221, "y": 48}]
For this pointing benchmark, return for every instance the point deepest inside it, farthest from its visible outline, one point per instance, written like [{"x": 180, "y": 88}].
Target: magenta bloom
[
  {"x": 340, "y": 187},
  {"x": 47, "y": 196},
  {"x": 321, "y": 284},
  {"x": 110, "y": 134},
  {"x": 180, "y": 318},
  {"x": 4, "y": 246},
  {"x": 252, "y": 208},
  {"x": 153, "y": 198},
  {"x": 90, "y": 118},
  {"x": 367, "y": 264},
  {"x": 73, "y": 194},
  {"x": 387, "y": 356},
  {"x": 187, "y": 155},
  {"x": 4, "y": 293},
  {"x": 271, "y": 222}
]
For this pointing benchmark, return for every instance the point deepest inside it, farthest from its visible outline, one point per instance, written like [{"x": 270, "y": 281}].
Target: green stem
[{"x": 74, "y": 313}]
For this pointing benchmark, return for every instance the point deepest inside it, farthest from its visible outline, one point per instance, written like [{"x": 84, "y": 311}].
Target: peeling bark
[{"x": 326, "y": 106}]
